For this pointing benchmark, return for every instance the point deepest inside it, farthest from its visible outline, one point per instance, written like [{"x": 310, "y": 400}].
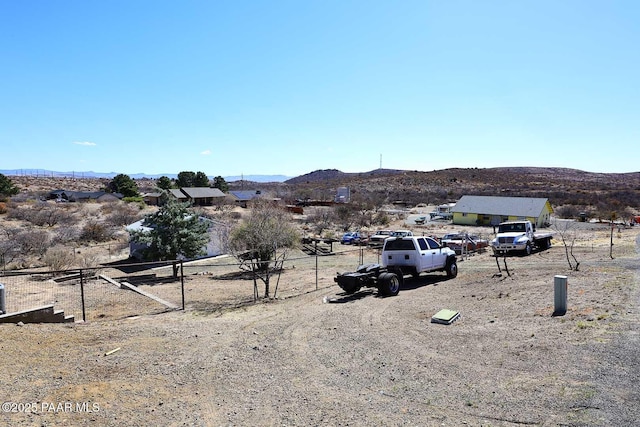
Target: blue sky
[{"x": 289, "y": 87}]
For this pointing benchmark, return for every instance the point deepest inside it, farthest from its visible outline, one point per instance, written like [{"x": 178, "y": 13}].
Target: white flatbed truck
[{"x": 519, "y": 236}]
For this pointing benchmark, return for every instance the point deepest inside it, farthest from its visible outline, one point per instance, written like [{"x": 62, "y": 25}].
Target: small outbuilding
[{"x": 492, "y": 210}]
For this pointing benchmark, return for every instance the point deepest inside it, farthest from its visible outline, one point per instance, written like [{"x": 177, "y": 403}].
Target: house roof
[
  {"x": 497, "y": 205},
  {"x": 175, "y": 192},
  {"x": 202, "y": 192},
  {"x": 244, "y": 195},
  {"x": 83, "y": 195}
]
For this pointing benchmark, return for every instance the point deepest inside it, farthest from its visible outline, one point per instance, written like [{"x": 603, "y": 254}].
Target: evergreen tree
[
  {"x": 176, "y": 232},
  {"x": 124, "y": 185},
  {"x": 7, "y": 188},
  {"x": 164, "y": 183},
  {"x": 201, "y": 180},
  {"x": 220, "y": 183},
  {"x": 186, "y": 179}
]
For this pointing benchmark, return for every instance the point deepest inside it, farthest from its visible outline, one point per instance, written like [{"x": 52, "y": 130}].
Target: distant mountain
[
  {"x": 257, "y": 178},
  {"x": 90, "y": 174},
  {"x": 55, "y": 174},
  {"x": 331, "y": 174},
  {"x": 605, "y": 192}
]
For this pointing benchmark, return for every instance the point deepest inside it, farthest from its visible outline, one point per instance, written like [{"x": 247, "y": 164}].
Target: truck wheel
[
  {"x": 527, "y": 249},
  {"x": 388, "y": 284},
  {"x": 452, "y": 269}
]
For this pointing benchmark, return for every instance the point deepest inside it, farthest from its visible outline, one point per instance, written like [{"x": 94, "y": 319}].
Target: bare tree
[
  {"x": 320, "y": 220},
  {"x": 345, "y": 215},
  {"x": 567, "y": 232},
  {"x": 261, "y": 242},
  {"x": 9, "y": 248}
]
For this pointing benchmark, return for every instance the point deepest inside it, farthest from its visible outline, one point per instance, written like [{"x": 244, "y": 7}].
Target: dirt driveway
[{"x": 324, "y": 358}]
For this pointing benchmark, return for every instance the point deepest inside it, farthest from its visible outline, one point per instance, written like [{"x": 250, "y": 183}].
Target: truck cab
[{"x": 519, "y": 236}]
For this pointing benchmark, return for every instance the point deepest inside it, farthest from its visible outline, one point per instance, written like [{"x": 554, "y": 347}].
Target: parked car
[
  {"x": 449, "y": 237},
  {"x": 351, "y": 237},
  {"x": 377, "y": 239},
  {"x": 460, "y": 242}
]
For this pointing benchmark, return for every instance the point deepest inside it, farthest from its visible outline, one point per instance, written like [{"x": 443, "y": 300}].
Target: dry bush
[
  {"x": 9, "y": 248},
  {"x": 568, "y": 211},
  {"x": 95, "y": 231},
  {"x": 121, "y": 214},
  {"x": 381, "y": 218},
  {"x": 58, "y": 258},
  {"x": 18, "y": 212},
  {"x": 67, "y": 234},
  {"x": 89, "y": 259},
  {"x": 32, "y": 242},
  {"x": 24, "y": 197},
  {"x": 50, "y": 215}
]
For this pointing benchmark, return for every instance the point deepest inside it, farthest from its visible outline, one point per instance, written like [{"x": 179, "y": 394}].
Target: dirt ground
[{"x": 325, "y": 358}]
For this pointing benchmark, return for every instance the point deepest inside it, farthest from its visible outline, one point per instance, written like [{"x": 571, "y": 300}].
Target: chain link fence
[
  {"x": 120, "y": 290},
  {"x": 89, "y": 293}
]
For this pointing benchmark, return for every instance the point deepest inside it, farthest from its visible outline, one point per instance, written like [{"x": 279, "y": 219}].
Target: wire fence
[{"x": 118, "y": 290}]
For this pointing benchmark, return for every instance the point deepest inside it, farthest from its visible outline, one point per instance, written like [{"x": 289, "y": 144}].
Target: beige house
[{"x": 492, "y": 210}]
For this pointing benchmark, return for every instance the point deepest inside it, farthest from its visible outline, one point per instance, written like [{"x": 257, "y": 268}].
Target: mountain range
[{"x": 90, "y": 174}]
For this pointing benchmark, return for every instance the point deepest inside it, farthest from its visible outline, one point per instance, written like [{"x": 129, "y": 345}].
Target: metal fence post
[
  {"x": 3, "y": 301},
  {"x": 182, "y": 283},
  {"x": 316, "y": 271},
  {"x": 84, "y": 314}
]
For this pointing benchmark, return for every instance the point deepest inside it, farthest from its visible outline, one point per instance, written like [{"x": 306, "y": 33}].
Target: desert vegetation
[
  {"x": 42, "y": 233},
  {"x": 319, "y": 356},
  {"x": 35, "y": 231}
]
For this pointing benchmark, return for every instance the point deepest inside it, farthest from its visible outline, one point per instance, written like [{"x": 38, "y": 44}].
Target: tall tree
[
  {"x": 186, "y": 179},
  {"x": 220, "y": 183},
  {"x": 124, "y": 185},
  {"x": 263, "y": 239},
  {"x": 192, "y": 179},
  {"x": 175, "y": 232},
  {"x": 164, "y": 183},
  {"x": 7, "y": 188},
  {"x": 201, "y": 180}
]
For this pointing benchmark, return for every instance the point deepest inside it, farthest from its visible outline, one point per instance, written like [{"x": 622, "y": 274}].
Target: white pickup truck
[
  {"x": 414, "y": 255},
  {"x": 519, "y": 236},
  {"x": 400, "y": 255}
]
